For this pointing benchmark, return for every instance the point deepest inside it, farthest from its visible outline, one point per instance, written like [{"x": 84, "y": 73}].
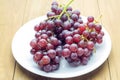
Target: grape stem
[
  {"x": 65, "y": 7},
  {"x": 98, "y": 19}
]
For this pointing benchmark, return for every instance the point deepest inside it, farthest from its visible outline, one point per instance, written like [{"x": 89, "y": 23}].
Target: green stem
[{"x": 65, "y": 7}]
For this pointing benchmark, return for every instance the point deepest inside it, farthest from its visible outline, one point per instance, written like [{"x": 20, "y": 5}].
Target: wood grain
[
  {"x": 111, "y": 21},
  {"x": 14, "y": 13}
]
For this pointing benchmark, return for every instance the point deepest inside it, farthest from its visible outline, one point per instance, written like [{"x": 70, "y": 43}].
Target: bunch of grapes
[{"x": 64, "y": 34}]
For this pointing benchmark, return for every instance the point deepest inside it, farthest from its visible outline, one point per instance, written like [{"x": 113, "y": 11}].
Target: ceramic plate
[{"x": 21, "y": 53}]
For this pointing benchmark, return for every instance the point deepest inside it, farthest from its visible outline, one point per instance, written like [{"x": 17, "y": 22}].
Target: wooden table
[{"x": 14, "y": 13}]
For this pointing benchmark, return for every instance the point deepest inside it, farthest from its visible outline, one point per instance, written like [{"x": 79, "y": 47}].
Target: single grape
[
  {"x": 98, "y": 27},
  {"x": 74, "y": 56},
  {"x": 90, "y": 18},
  {"x": 33, "y": 43},
  {"x": 69, "y": 8},
  {"x": 37, "y": 28},
  {"x": 42, "y": 43},
  {"x": 57, "y": 59},
  {"x": 85, "y": 33},
  {"x": 81, "y": 44},
  {"x": 47, "y": 68},
  {"x": 54, "y": 41},
  {"x": 49, "y": 33},
  {"x": 66, "y": 25},
  {"x": 54, "y": 8},
  {"x": 37, "y": 34},
  {"x": 66, "y": 52},
  {"x": 59, "y": 52},
  {"x": 50, "y": 25},
  {"x": 42, "y": 25},
  {"x": 51, "y": 53},
  {"x": 55, "y": 67},
  {"x": 37, "y": 56},
  {"x": 59, "y": 10},
  {"x": 66, "y": 33},
  {"x": 86, "y": 51},
  {"x": 50, "y": 14},
  {"x": 77, "y": 12},
  {"x": 44, "y": 36},
  {"x": 76, "y": 38},
  {"x": 99, "y": 36},
  {"x": 33, "y": 51},
  {"x": 54, "y": 3},
  {"x": 102, "y": 33},
  {"x": 93, "y": 34},
  {"x": 74, "y": 17},
  {"x": 66, "y": 46},
  {"x": 82, "y": 27},
  {"x": 71, "y": 22},
  {"x": 64, "y": 17},
  {"x": 76, "y": 31},
  {"x": 91, "y": 25},
  {"x": 45, "y": 60},
  {"x": 84, "y": 60},
  {"x": 58, "y": 22},
  {"x": 80, "y": 21},
  {"x": 99, "y": 41},
  {"x": 73, "y": 47},
  {"x": 43, "y": 31},
  {"x": 49, "y": 46},
  {"x": 76, "y": 25},
  {"x": 80, "y": 52},
  {"x": 59, "y": 30},
  {"x": 69, "y": 40}
]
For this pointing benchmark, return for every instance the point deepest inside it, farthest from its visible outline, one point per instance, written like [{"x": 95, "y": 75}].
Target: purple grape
[
  {"x": 47, "y": 68},
  {"x": 67, "y": 25},
  {"x": 69, "y": 40},
  {"x": 54, "y": 8},
  {"x": 42, "y": 43},
  {"x": 90, "y": 18},
  {"x": 76, "y": 38},
  {"x": 69, "y": 8},
  {"x": 57, "y": 59},
  {"x": 51, "y": 53},
  {"x": 66, "y": 52},
  {"x": 54, "y": 41},
  {"x": 73, "y": 47},
  {"x": 76, "y": 25},
  {"x": 50, "y": 25},
  {"x": 54, "y": 3},
  {"x": 58, "y": 22},
  {"x": 50, "y": 14},
  {"x": 55, "y": 67},
  {"x": 80, "y": 52},
  {"x": 74, "y": 17},
  {"x": 74, "y": 56},
  {"x": 64, "y": 17},
  {"x": 77, "y": 12}
]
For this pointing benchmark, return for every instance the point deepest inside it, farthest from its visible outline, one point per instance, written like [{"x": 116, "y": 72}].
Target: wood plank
[
  {"x": 10, "y": 20},
  {"x": 34, "y": 9},
  {"x": 111, "y": 20}
]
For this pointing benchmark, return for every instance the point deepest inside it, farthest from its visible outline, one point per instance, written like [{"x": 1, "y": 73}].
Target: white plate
[{"x": 21, "y": 53}]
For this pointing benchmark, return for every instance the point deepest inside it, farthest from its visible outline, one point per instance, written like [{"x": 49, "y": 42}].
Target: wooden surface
[{"x": 14, "y": 13}]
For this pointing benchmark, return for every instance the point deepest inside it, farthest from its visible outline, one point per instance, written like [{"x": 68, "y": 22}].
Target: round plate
[{"x": 21, "y": 53}]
